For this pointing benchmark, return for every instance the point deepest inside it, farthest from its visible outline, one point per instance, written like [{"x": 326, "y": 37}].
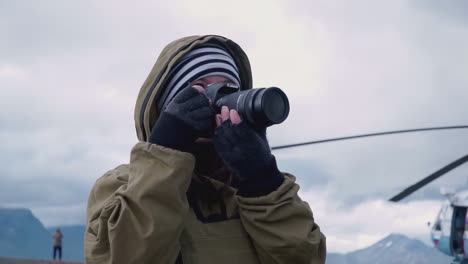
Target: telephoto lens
[{"x": 261, "y": 107}]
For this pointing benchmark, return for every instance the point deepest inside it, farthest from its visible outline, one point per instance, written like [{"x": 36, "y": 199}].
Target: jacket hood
[{"x": 146, "y": 110}]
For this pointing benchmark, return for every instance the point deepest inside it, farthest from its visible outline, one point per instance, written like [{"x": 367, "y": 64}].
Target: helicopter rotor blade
[
  {"x": 368, "y": 135},
  {"x": 411, "y": 189}
]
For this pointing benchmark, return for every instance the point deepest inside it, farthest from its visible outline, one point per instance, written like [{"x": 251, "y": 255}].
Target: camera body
[{"x": 261, "y": 107}]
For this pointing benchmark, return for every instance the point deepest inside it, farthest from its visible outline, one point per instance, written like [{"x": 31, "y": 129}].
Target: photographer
[{"x": 202, "y": 186}]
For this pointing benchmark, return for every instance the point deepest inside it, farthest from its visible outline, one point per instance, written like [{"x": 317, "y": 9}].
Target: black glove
[
  {"x": 246, "y": 152},
  {"x": 187, "y": 117}
]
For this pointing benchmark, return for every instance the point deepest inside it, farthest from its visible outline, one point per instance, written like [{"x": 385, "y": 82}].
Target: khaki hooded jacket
[{"x": 139, "y": 212}]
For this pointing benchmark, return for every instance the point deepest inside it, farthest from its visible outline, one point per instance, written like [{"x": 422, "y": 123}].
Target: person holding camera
[{"x": 202, "y": 185}]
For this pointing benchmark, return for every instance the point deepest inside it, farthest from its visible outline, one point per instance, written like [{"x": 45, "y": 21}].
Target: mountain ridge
[
  {"x": 23, "y": 236},
  {"x": 393, "y": 249}
]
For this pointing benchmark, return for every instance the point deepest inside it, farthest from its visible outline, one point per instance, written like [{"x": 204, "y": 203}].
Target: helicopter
[
  {"x": 449, "y": 233},
  {"x": 450, "y": 230}
]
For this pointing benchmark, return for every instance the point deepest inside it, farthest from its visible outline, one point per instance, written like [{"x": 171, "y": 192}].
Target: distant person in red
[{"x": 57, "y": 236}]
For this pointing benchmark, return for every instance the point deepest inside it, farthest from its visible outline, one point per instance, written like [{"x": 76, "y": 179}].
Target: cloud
[
  {"x": 451, "y": 13},
  {"x": 11, "y": 72},
  {"x": 380, "y": 69},
  {"x": 379, "y": 168},
  {"x": 53, "y": 216},
  {"x": 352, "y": 228}
]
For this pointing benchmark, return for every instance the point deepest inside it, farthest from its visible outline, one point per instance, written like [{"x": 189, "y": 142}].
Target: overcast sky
[{"x": 70, "y": 72}]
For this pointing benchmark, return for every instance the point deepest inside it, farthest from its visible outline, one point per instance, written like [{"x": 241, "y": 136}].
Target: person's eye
[{"x": 202, "y": 84}]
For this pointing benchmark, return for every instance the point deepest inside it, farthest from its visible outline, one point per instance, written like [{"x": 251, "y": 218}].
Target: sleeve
[
  {"x": 136, "y": 212},
  {"x": 282, "y": 226}
]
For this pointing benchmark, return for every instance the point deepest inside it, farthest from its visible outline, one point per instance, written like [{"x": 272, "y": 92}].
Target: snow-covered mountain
[{"x": 394, "y": 249}]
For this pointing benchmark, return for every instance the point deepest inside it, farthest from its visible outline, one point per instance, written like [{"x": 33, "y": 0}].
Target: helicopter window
[
  {"x": 466, "y": 220},
  {"x": 437, "y": 225},
  {"x": 458, "y": 229}
]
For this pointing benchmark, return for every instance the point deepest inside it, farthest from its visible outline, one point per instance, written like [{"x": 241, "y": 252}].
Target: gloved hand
[
  {"x": 246, "y": 152},
  {"x": 187, "y": 117}
]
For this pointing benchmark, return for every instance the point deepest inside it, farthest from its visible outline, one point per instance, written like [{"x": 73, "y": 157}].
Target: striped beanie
[{"x": 205, "y": 60}]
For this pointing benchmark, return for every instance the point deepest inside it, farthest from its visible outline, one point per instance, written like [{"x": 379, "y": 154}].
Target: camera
[{"x": 261, "y": 107}]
